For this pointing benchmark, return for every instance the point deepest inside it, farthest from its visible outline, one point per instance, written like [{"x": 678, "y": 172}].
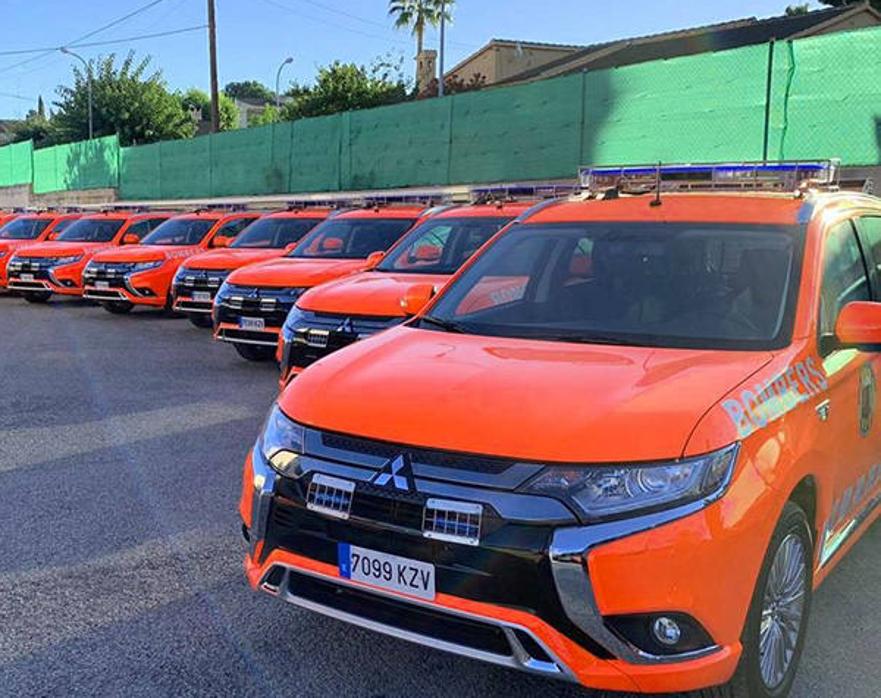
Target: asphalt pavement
[{"x": 121, "y": 446}]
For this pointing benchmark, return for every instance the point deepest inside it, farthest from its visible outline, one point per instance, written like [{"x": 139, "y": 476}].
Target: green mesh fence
[
  {"x": 85, "y": 165},
  {"x": 16, "y": 164},
  {"x": 825, "y": 101}
]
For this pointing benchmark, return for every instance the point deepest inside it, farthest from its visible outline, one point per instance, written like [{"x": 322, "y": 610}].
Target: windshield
[
  {"x": 688, "y": 285},
  {"x": 352, "y": 238},
  {"x": 180, "y": 231},
  {"x": 275, "y": 233},
  {"x": 24, "y": 228},
  {"x": 441, "y": 246},
  {"x": 91, "y": 230}
]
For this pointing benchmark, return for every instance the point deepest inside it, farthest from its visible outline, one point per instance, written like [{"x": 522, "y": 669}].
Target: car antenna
[{"x": 657, "y": 200}]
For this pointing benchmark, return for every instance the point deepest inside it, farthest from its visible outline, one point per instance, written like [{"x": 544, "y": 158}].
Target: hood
[
  {"x": 532, "y": 400},
  {"x": 289, "y": 272},
  {"x": 224, "y": 259},
  {"x": 368, "y": 293},
  {"x": 60, "y": 249},
  {"x": 145, "y": 253}
]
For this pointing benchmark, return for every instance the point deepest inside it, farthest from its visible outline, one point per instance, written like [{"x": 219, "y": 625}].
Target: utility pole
[
  {"x": 443, "y": 24},
  {"x": 212, "y": 50}
]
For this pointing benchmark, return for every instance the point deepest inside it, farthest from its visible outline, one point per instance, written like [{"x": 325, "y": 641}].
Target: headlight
[
  {"x": 61, "y": 261},
  {"x": 601, "y": 492},
  {"x": 292, "y": 322},
  {"x": 281, "y": 442},
  {"x": 179, "y": 275},
  {"x": 146, "y": 266}
]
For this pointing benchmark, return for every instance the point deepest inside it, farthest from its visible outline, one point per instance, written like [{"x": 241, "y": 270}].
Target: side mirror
[
  {"x": 416, "y": 298},
  {"x": 290, "y": 247},
  {"x": 221, "y": 242},
  {"x": 374, "y": 258},
  {"x": 859, "y": 324},
  {"x": 53, "y": 236},
  {"x": 130, "y": 239}
]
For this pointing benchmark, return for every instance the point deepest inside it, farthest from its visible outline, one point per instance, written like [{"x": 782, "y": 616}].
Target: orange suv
[
  {"x": 338, "y": 313},
  {"x": 253, "y": 302},
  {"x": 142, "y": 274},
  {"x": 198, "y": 279},
  {"x": 623, "y": 446},
  {"x": 40, "y": 270},
  {"x": 29, "y": 229}
]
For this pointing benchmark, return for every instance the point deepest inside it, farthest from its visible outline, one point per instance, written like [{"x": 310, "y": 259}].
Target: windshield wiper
[{"x": 444, "y": 325}]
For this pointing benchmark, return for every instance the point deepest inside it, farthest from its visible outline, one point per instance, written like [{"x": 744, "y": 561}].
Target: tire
[
  {"x": 118, "y": 307},
  {"x": 37, "y": 296},
  {"x": 200, "y": 320},
  {"x": 255, "y": 352},
  {"x": 750, "y": 680}
]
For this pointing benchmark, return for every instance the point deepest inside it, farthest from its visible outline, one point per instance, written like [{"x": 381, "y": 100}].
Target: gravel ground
[{"x": 121, "y": 444}]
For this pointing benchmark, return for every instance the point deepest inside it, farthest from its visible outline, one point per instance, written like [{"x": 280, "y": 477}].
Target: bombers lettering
[{"x": 768, "y": 401}]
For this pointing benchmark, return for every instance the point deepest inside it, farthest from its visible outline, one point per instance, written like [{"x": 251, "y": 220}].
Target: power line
[
  {"x": 12, "y": 95},
  {"x": 112, "y": 23},
  {"x": 91, "y": 44}
]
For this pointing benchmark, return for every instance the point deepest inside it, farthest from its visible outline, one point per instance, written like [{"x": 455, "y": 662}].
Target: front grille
[
  {"x": 270, "y": 304},
  {"x": 190, "y": 281},
  {"x": 38, "y": 267},
  {"x": 111, "y": 273},
  {"x": 319, "y": 334}
]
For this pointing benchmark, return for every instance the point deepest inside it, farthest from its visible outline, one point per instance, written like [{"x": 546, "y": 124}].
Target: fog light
[{"x": 667, "y": 631}]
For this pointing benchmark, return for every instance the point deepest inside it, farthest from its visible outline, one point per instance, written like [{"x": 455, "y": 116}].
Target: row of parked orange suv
[{"x": 617, "y": 438}]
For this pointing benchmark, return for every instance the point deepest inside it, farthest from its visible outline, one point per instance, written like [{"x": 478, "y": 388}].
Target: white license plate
[
  {"x": 252, "y": 323},
  {"x": 102, "y": 284},
  {"x": 202, "y": 297},
  {"x": 27, "y": 277},
  {"x": 400, "y": 574}
]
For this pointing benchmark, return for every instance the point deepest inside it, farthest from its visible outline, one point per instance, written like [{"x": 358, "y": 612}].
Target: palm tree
[{"x": 416, "y": 15}]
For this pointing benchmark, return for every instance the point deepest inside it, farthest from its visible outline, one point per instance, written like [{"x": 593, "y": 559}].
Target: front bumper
[
  {"x": 248, "y": 315},
  {"x": 65, "y": 280},
  {"x": 555, "y": 581},
  {"x": 107, "y": 284},
  {"x": 194, "y": 290}
]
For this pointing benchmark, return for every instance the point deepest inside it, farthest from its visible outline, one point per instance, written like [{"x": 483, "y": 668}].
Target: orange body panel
[
  {"x": 558, "y": 402},
  {"x": 153, "y": 286},
  {"x": 71, "y": 276}
]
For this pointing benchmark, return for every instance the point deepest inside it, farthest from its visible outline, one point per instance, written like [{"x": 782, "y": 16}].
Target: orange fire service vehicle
[
  {"x": 56, "y": 266},
  {"x": 254, "y": 302},
  {"x": 198, "y": 279},
  {"x": 142, "y": 274},
  {"x": 622, "y": 446},
  {"x": 29, "y": 229},
  {"x": 338, "y": 313}
]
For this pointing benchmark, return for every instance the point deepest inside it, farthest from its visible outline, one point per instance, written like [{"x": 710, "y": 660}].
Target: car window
[
  {"x": 141, "y": 228},
  {"x": 844, "y": 279},
  {"x": 24, "y": 228},
  {"x": 63, "y": 224},
  {"x": 154, "y": 223},
  {"x": 352, "y": 238},
  {"x": 870, "y": 233},
  {"x": 645, "y": 284},
  {"x": 441, "y": 246},
  {"x": 92, "y": 230},
  {"x": 275, "y": 233},
  {"x": 231, "y": 229},
  {"x": 180, "y": 231}
]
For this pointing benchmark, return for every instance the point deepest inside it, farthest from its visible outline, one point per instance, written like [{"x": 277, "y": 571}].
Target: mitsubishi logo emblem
[
  {"x": 346, "y": 326},
  {"x": 398, "y": 471}
]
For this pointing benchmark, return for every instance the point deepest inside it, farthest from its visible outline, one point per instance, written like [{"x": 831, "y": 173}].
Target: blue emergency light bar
[{"x": 791, "y": 176}]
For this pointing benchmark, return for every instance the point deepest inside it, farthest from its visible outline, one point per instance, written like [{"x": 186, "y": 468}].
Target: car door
[{"x": 847, "y": 413}]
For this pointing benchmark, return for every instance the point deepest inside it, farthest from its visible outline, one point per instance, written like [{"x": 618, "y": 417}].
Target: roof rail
[
  {"x": 793, "y": 176},
  {"x": 514, "y": 192}
]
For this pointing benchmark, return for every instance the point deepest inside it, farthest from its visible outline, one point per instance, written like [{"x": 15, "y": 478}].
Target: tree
[
  {"x": 454, "y": 84},
  {"x": 841, "y": 3},
  {"x": 270, "y": 115},
  {"x": 347, "y": 86},
  {"x": 196, "y": 99},
  {"x": 417, "y": 15},
  {"x": 126, "y": 101},
  {"x": 249, "y": 89},
  {"x": 796, "y": 10}
]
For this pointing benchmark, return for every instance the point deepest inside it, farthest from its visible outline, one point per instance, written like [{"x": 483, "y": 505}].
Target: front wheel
[
  {"x": 255, "y": 352},
  {"x": 37, "y": 296},
  {"x": 774, "y": 635},
  {"x": 118, "y": 307},
  {"x": 200, "y": 320}
]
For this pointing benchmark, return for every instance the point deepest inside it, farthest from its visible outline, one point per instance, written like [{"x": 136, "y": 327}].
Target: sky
[{"x": 255, "y": 36}]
